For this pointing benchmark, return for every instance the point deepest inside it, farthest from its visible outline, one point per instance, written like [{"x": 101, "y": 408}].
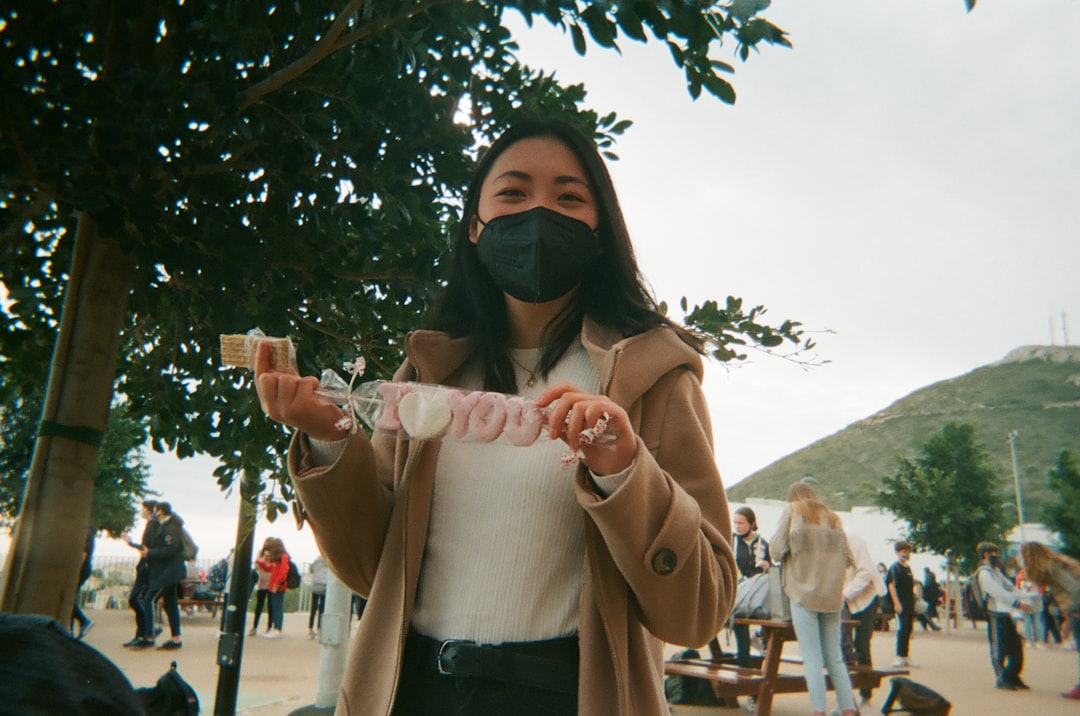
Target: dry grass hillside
[{"x": 1034, "y": 390}]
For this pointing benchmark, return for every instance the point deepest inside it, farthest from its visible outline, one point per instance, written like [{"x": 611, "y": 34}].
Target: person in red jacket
[{"x": 275, "y": 560}]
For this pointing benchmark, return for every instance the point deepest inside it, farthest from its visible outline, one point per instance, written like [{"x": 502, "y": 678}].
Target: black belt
[{"x": 551, "y": 665}]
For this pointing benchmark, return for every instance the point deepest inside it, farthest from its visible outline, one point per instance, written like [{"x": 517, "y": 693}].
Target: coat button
[{"x": 664, "y": 561}]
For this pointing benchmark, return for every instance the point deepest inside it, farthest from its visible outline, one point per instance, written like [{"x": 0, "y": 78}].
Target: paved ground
[{"x": 281, "y": 676}]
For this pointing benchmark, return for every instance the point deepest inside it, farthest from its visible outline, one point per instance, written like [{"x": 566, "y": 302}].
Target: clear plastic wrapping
[{"x": 437, "y": 412}]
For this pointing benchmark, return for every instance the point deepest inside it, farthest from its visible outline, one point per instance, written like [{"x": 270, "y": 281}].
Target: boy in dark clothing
[
  {"x": 144, "y": 623},
  {"x": 901, "y": 584}
]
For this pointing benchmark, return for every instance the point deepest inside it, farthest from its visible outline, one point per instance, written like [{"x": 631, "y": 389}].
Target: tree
[
  {"x": 120, "y": 480},
  {"x": 1063, "y": 514},
  {"x": 174, "y": 171},
  {"x": 949, "y": 496}
]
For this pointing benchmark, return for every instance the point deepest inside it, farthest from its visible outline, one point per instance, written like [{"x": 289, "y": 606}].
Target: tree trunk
[{"x": 41, "y": 573}]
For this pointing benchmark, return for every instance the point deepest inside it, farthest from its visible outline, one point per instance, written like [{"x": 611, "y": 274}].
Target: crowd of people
[{"x": 830, "y": 577}]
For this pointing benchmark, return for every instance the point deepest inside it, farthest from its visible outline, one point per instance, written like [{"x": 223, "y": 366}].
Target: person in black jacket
[
  {"x": 901, "y": 583},
  {"x": 165, "y": 559},
  {"x": 144, "y": 623}
]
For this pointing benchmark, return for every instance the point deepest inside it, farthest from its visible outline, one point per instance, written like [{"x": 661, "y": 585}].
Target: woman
[
  {"x": 751, "y": 557},
  {"x": 262, "y": 592},
  {"x": 1062, "y": 574},
  {"x": 815, "y": 555},
  {"x": 275, "y": 560},
  {"x": 491, "y": 552}
]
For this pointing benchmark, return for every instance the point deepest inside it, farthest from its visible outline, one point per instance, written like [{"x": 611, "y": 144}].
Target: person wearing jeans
[
  {"x": 276, "y": 561},
  {"x": 319, "y": 573},
  {"x": 165, "y": 560},
  {"x": 815, "y": 555},
  {"x": 901, "y": 583}
]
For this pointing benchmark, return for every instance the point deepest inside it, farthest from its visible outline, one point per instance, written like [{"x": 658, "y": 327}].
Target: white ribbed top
[{"x": 506, "y": 541}]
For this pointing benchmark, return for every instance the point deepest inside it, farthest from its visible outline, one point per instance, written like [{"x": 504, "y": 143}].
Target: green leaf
[{"x": 579, "y": 39}]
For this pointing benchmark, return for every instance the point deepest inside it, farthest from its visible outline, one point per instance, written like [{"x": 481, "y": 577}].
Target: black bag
[
  {"x": 974, "y": 601},
  {"x": 915, "y": 699},
  {"x": 292, "y": 580},
  {"x": 690, "y": 690},
  {"x": 171, "y": 696},
  {"x": 45, "y": 670}
]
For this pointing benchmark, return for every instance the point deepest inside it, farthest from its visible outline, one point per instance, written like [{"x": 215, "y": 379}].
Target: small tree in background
[
  {"x": 120, "y": 479},
  {"x": 1063, "y": 514},
  {"x": 949, "y": 495}
]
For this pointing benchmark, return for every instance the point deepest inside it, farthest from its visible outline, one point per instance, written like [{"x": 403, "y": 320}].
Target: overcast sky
[{"x": 906, "y": 177}]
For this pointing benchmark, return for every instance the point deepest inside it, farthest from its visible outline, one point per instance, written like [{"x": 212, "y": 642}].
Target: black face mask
[
  {"x": 995, "y": 561},
  {"x": 537, "y": 255}
]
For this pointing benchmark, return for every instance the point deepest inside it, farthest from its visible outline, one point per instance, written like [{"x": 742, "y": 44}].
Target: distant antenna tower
[
  {"x": 1065, "y": 327},
  {"x": 1050, "y": 325}
]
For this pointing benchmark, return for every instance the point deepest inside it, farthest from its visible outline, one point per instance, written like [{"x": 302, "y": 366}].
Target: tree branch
[{"x": 327, "y": 45}]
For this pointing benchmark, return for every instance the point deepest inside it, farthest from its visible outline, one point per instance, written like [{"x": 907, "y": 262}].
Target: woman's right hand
[{"x": 290, "y": 399}]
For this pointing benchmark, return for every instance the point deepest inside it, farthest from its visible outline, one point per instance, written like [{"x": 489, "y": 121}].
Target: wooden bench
[
  {"x": 187, "y": 601},
  {"x": 730, "y": 680},
  {"x": 210, "y": 605}
]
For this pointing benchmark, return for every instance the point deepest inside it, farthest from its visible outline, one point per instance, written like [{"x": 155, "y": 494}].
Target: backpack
[
  {"x": 292, "y": 581},
  {"x": 752, "y": 598},
  {"x": 171, "y": 696},
  {"x": 690, "y": 690},
  {"x": 974, "y": 601},
  {"x": 191, "y": 550},
  {"x": 215, "y": 578},
  {"x": 915, "y": 699}
]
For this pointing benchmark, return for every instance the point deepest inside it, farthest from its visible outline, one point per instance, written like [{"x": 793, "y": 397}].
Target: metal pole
[
  {"x": 231, "y": 642},
  {"x": 1016, "y": 481}
]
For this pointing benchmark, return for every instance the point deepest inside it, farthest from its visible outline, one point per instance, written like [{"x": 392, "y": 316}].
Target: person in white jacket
[
  {"x": 863, "y": 589},
  {"x": 1006, "y": 648}
]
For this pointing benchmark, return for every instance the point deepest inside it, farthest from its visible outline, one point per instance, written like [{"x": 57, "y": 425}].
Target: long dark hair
[{"x": 613, "y": 292}]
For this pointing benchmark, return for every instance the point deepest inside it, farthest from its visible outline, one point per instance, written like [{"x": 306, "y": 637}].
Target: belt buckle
[{"x": 449, "y": 644}]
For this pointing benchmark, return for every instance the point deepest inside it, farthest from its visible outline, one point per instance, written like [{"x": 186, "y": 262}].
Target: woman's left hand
[{"x": 575, "y": 411}]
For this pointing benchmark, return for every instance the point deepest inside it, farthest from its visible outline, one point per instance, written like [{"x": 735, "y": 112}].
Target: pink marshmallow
[
  {"x": 461, "y": 406},
  {"x": 391, "y": 394},
  {"x": 524, "y": 421},
  {"x": 487, "y": 419}
]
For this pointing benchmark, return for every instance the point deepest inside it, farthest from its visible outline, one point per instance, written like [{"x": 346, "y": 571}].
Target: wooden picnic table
[
  {"x": 188, "y": 600},
  {"x": 766, "y": 680}
]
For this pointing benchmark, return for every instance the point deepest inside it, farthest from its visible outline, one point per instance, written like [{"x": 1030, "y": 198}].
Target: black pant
[
  {"x": 904, "y": 619},
  {"x": 318, "y": 603},
  {"x": 261, "y": 600},
  {"x": 144, "y": 623},
  {"x": 856, "y": 640},
  {"x": 1006, "y": 649},
  {"x": 168, "y": 593},
  {"x": 742, "y": 644},
  {"x": 422, "y": 691}
]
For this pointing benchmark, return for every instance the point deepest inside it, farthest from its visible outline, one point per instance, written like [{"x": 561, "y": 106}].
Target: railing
[{"x": 111, "y": 580}]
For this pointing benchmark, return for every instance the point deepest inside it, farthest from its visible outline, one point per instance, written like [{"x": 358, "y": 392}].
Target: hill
[{"x": 1034, "y": 390}]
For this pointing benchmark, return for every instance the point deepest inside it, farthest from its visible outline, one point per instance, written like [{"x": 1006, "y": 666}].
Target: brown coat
[{"x": 658, "y": 566}]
